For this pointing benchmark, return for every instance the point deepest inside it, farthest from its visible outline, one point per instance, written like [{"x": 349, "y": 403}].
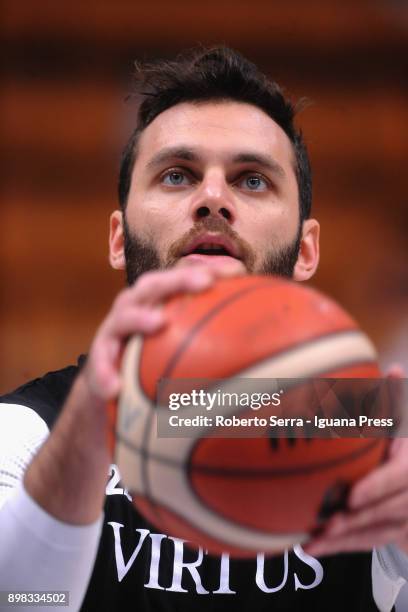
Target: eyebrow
[{"x": 188, "y": 154}]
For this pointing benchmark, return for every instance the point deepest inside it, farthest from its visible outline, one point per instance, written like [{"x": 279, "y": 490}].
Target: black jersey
[{"x": 140, "y": 569}]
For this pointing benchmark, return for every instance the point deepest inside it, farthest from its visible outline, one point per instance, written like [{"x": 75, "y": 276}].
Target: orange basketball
[{"x": 242, "y": 494}]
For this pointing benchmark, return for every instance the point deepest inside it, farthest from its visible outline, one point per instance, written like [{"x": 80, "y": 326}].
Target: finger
[
  {"x": 359, "y": 540},
  {"x": 381, "y": 482},
  {"x": 399, "y": 446},
  {"x": 104, "y": 380},
  {"x": 132, "y": 319},
  {"x": 231, "y": 267},
  {"x": 155, "y": 287},
  {"x": 103, "y": 371},
  {"x": 395, "y": 370},
  {"x": 394, "y": 508}
]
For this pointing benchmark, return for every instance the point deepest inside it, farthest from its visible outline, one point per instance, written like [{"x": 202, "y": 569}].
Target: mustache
[{"x": 211, "y": 224}]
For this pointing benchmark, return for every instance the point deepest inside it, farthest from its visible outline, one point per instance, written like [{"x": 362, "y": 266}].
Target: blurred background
[{"x": 65, "y": 74}]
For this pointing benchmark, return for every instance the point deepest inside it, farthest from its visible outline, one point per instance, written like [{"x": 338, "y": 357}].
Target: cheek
[
  {"x": 270, "y": 230},
  {"x": 158, "y": 222},
  {"x": 149, "y": 216}
]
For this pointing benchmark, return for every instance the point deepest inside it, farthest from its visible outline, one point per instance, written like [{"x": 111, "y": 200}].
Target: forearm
[
  {"x": 67, "y": 478},
  {"x": 39, "y": 553}
]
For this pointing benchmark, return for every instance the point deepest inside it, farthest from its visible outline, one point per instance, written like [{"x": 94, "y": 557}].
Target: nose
[{"x": 213, "y": 198}]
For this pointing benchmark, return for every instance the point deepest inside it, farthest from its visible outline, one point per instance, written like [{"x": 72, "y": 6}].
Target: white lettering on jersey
[
  {"x": 224, "y": 587},
  {"x": 260, "y": 573},
  {"x": 192, "y": 567},
  {"x": 179, "y": 565},
  {"x": 121, "y": 566},
  {"x": 154, "y": 562},
  {"x": 114, "y": 478},
  {"x": 311, "y": 562}
]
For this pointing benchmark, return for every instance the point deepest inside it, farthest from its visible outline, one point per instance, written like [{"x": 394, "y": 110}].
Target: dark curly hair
[{"x": 204, "y": 74}]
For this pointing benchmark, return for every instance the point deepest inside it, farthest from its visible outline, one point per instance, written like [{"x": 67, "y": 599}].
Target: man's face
[{"x": 212, "y": 181}]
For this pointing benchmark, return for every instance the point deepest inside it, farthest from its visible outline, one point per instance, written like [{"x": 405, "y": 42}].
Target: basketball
[{"x": 247, "y": 494}]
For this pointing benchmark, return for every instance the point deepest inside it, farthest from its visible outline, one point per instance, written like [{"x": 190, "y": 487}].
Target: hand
[
  {"x": 73, "y": 462},
  {"x": 138, "y": 310},
  {"x": 378, "y": 507}
]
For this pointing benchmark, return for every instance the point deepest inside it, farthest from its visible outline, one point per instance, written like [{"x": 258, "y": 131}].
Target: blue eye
[
  {"x": 174, "y": 178},
  {"x": 253, "y": 182}
]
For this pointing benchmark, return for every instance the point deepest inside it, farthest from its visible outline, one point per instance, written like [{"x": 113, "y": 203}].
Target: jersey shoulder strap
[{"x": 46, "y": 395}]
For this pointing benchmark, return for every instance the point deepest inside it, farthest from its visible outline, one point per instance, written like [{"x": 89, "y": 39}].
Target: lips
[{"x": 213, "y": 245}]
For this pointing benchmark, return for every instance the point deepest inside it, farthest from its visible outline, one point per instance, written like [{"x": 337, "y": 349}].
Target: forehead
[{"x": 218, "y": 129}]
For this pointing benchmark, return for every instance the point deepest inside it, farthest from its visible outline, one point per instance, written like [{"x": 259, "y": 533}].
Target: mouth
[{"x": 211, "y": 246}]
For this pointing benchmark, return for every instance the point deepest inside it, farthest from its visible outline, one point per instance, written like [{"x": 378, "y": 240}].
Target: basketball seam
[
  {"x": 283, "y": 472},
  {"x": 156, "y": 505},
  {"x": 225, "y": 516},
  {"x": 202, "y": 322},
  {"x": 170, "y": 366},
  {"x": 258, "y": 473}
]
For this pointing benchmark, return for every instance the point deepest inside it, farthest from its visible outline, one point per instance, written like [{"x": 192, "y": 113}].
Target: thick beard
[
  {"x": 283, "y": 261},
  {"x": 142, "y": 257}
]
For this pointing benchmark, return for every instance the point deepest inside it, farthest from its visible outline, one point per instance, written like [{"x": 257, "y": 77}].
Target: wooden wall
[{"x": 66, "y": 69}]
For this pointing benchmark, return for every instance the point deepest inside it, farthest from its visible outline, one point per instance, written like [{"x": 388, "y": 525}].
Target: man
[{"x": 214, "y": 181}]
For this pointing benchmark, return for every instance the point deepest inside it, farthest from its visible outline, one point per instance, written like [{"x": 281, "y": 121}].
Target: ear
[
  {"x": 309, "y": 252},
  {"x": 116, "y": 241}
]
